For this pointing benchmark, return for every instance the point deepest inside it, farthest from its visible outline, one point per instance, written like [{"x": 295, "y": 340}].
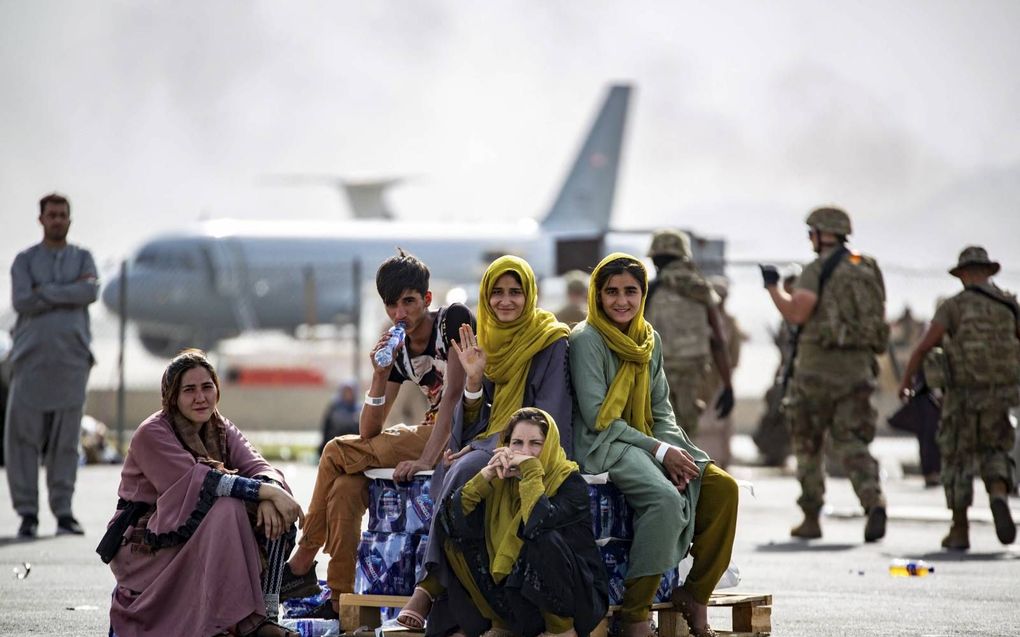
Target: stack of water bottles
[
  {"x": 613, "y": 526},
  {"x": 392, "y": 551}
]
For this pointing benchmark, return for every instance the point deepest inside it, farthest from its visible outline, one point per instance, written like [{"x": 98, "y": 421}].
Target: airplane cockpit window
[{"x": 164, "y": 257}]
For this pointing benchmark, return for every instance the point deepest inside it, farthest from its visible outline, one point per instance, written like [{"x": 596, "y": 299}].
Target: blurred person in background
[
  {"x": 979, "y": 330},
  {"x": 684, "y": 310},
  {"x": 576, "y": 308},
  {"x": 53, "y": 283},
  {"x": 342, "y": 414},
  {"x": 772, "y": 437},
  {"x": 715, "y": 431},
  {"x": 920, "y": 414},
  {"x": 5, "y": 383}
]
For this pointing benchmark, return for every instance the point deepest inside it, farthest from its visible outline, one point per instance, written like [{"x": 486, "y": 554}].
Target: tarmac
[{"x": 833, "y": 586}]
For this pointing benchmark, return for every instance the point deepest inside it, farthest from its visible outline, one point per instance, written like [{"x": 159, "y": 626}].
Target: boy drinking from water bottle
[{"x": 340, "y": 497}]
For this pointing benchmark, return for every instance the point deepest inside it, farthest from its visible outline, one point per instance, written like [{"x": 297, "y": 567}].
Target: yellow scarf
[
  {"x": 629, "y": 396},
  {"x": 506, "y": 508},
  {"x": 509, "y": 347}
]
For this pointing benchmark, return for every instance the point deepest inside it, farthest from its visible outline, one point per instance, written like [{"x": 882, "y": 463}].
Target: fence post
[
  {"x": 122, "y": 311},
  {"x": 356, "y": 315}
]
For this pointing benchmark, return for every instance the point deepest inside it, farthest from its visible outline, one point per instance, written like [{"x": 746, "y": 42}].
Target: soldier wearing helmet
[
  {"x": 983, "y": 356},
  {"x": 838, "y": 306},
  {"x": 576, "y": 308},
  {"x": 684, "y": 309}
]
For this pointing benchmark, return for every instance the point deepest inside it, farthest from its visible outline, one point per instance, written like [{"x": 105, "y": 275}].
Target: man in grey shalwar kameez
[{"x": 53, "y": 283}]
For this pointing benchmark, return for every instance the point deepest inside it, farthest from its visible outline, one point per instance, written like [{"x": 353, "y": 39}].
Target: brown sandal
[
  {"x": 643, "y": 628},
  {"x": 682, "y": 601}
]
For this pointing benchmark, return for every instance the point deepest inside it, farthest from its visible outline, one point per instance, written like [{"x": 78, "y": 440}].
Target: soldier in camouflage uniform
[
  {"x": 684, "y": 310},
  {"x": 982, "y": 353},
  {"x": 714, "y": 432},
  {"x": 576, "y": 308},
  {"x": 843, "y": 327}
]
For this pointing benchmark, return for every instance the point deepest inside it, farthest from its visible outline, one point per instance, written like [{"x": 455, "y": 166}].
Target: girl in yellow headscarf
[
  {"x": 518, "y": 359},
  {"x": 624, "y": 425},
  {"x": 520, "y": 542}
]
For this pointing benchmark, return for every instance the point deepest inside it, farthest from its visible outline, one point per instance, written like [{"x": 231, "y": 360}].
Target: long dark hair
[
  {"x": 171, "y": 383},
  {"x": 623, "y": 265}
]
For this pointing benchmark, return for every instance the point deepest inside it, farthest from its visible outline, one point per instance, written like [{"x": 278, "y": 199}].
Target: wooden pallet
[{"x": 752, "y": 614}]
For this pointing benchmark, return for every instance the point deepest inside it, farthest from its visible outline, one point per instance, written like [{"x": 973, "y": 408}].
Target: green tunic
[{"x": 663, "y": 517}]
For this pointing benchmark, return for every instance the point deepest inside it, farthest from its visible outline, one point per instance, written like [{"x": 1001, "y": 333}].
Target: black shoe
[
  {"x": 1005, "y": 528},
  {"x": 29, "y": 526},
  {"x": 323, "y": 611},
  {"x": 874, "y": 528},
  {"x": 299, "y": 586},
  {"x": 67, "y": 525}
]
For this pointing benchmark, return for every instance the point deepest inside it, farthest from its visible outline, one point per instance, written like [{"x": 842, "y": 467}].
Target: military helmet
[
  {"x": 670, "y": 242},
  {"x": 833, "y": 220},
  {"x": 577, "y": 282}
]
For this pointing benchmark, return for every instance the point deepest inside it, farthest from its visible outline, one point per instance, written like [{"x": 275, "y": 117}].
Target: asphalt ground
[{"x": 833, "y": 586}]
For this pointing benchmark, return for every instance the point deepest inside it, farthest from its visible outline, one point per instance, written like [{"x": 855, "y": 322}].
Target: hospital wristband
[
  {"x": 660, "y": 453},
  {"x": 473, "y": 395},
  {"x": 375, "y": 401}
]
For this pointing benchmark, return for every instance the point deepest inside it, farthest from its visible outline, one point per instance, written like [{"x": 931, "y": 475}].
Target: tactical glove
[
  {"x": 769, "y": 274},
  {"x": 724, "y": 404}
]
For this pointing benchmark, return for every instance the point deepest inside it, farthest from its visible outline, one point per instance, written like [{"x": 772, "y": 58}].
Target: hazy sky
[{"x": 152, "y": 115}]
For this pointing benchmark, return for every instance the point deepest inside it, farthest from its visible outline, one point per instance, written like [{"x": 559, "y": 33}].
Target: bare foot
[{"x": 302, "y": 560}]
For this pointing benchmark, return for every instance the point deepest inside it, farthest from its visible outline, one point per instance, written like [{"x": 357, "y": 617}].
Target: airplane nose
[{"x": 111, "y": 294}]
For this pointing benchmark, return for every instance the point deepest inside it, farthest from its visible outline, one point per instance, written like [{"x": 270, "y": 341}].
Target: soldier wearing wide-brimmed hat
[
  {"x": 982, "y": 356},
  {"x": 975, "y": 258}
]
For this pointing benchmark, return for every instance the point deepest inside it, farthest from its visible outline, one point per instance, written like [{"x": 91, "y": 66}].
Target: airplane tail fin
[{"x": 585, "y": 202}]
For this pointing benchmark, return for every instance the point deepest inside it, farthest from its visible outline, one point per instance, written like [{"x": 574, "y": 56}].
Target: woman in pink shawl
[{"x": 204, "y": 523}]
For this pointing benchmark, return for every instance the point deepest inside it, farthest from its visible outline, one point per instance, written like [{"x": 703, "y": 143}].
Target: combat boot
[
  {"x": 874, "y": 528},
  {"x": 809, "y": 529},
  {"x": 958, "y": 538},
  {"x": 1005, "y": 528}
]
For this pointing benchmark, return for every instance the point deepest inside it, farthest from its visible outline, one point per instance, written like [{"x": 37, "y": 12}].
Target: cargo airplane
[{"x": 198, "y": 287}]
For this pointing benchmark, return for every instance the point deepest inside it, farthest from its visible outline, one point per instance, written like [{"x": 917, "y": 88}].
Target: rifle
[{"x": 827, "y": 268}]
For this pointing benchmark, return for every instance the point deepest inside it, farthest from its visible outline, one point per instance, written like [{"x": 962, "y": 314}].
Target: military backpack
[
  {"x": 851, "y": 312},
  {"x": 984, "y": 350},
  {"x": 681, "y": 321}
]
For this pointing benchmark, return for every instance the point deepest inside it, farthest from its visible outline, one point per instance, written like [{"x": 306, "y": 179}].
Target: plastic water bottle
[
  {"x": 384, "y": 356},
  {"x": 910, "y": 568}
]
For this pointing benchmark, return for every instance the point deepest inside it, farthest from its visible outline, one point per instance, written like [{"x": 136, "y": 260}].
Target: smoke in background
[{"x": 152, "y": 116}]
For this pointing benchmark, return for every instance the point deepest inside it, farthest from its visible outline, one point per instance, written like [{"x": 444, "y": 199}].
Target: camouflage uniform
[
  {"x": 984, "y": 361},
  {"x": 678, "y": 310},
  {"x": 833, "y": 379}
]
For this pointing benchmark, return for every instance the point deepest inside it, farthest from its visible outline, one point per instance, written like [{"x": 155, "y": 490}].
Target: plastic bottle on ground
[{"x": 910, "y": 568}]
